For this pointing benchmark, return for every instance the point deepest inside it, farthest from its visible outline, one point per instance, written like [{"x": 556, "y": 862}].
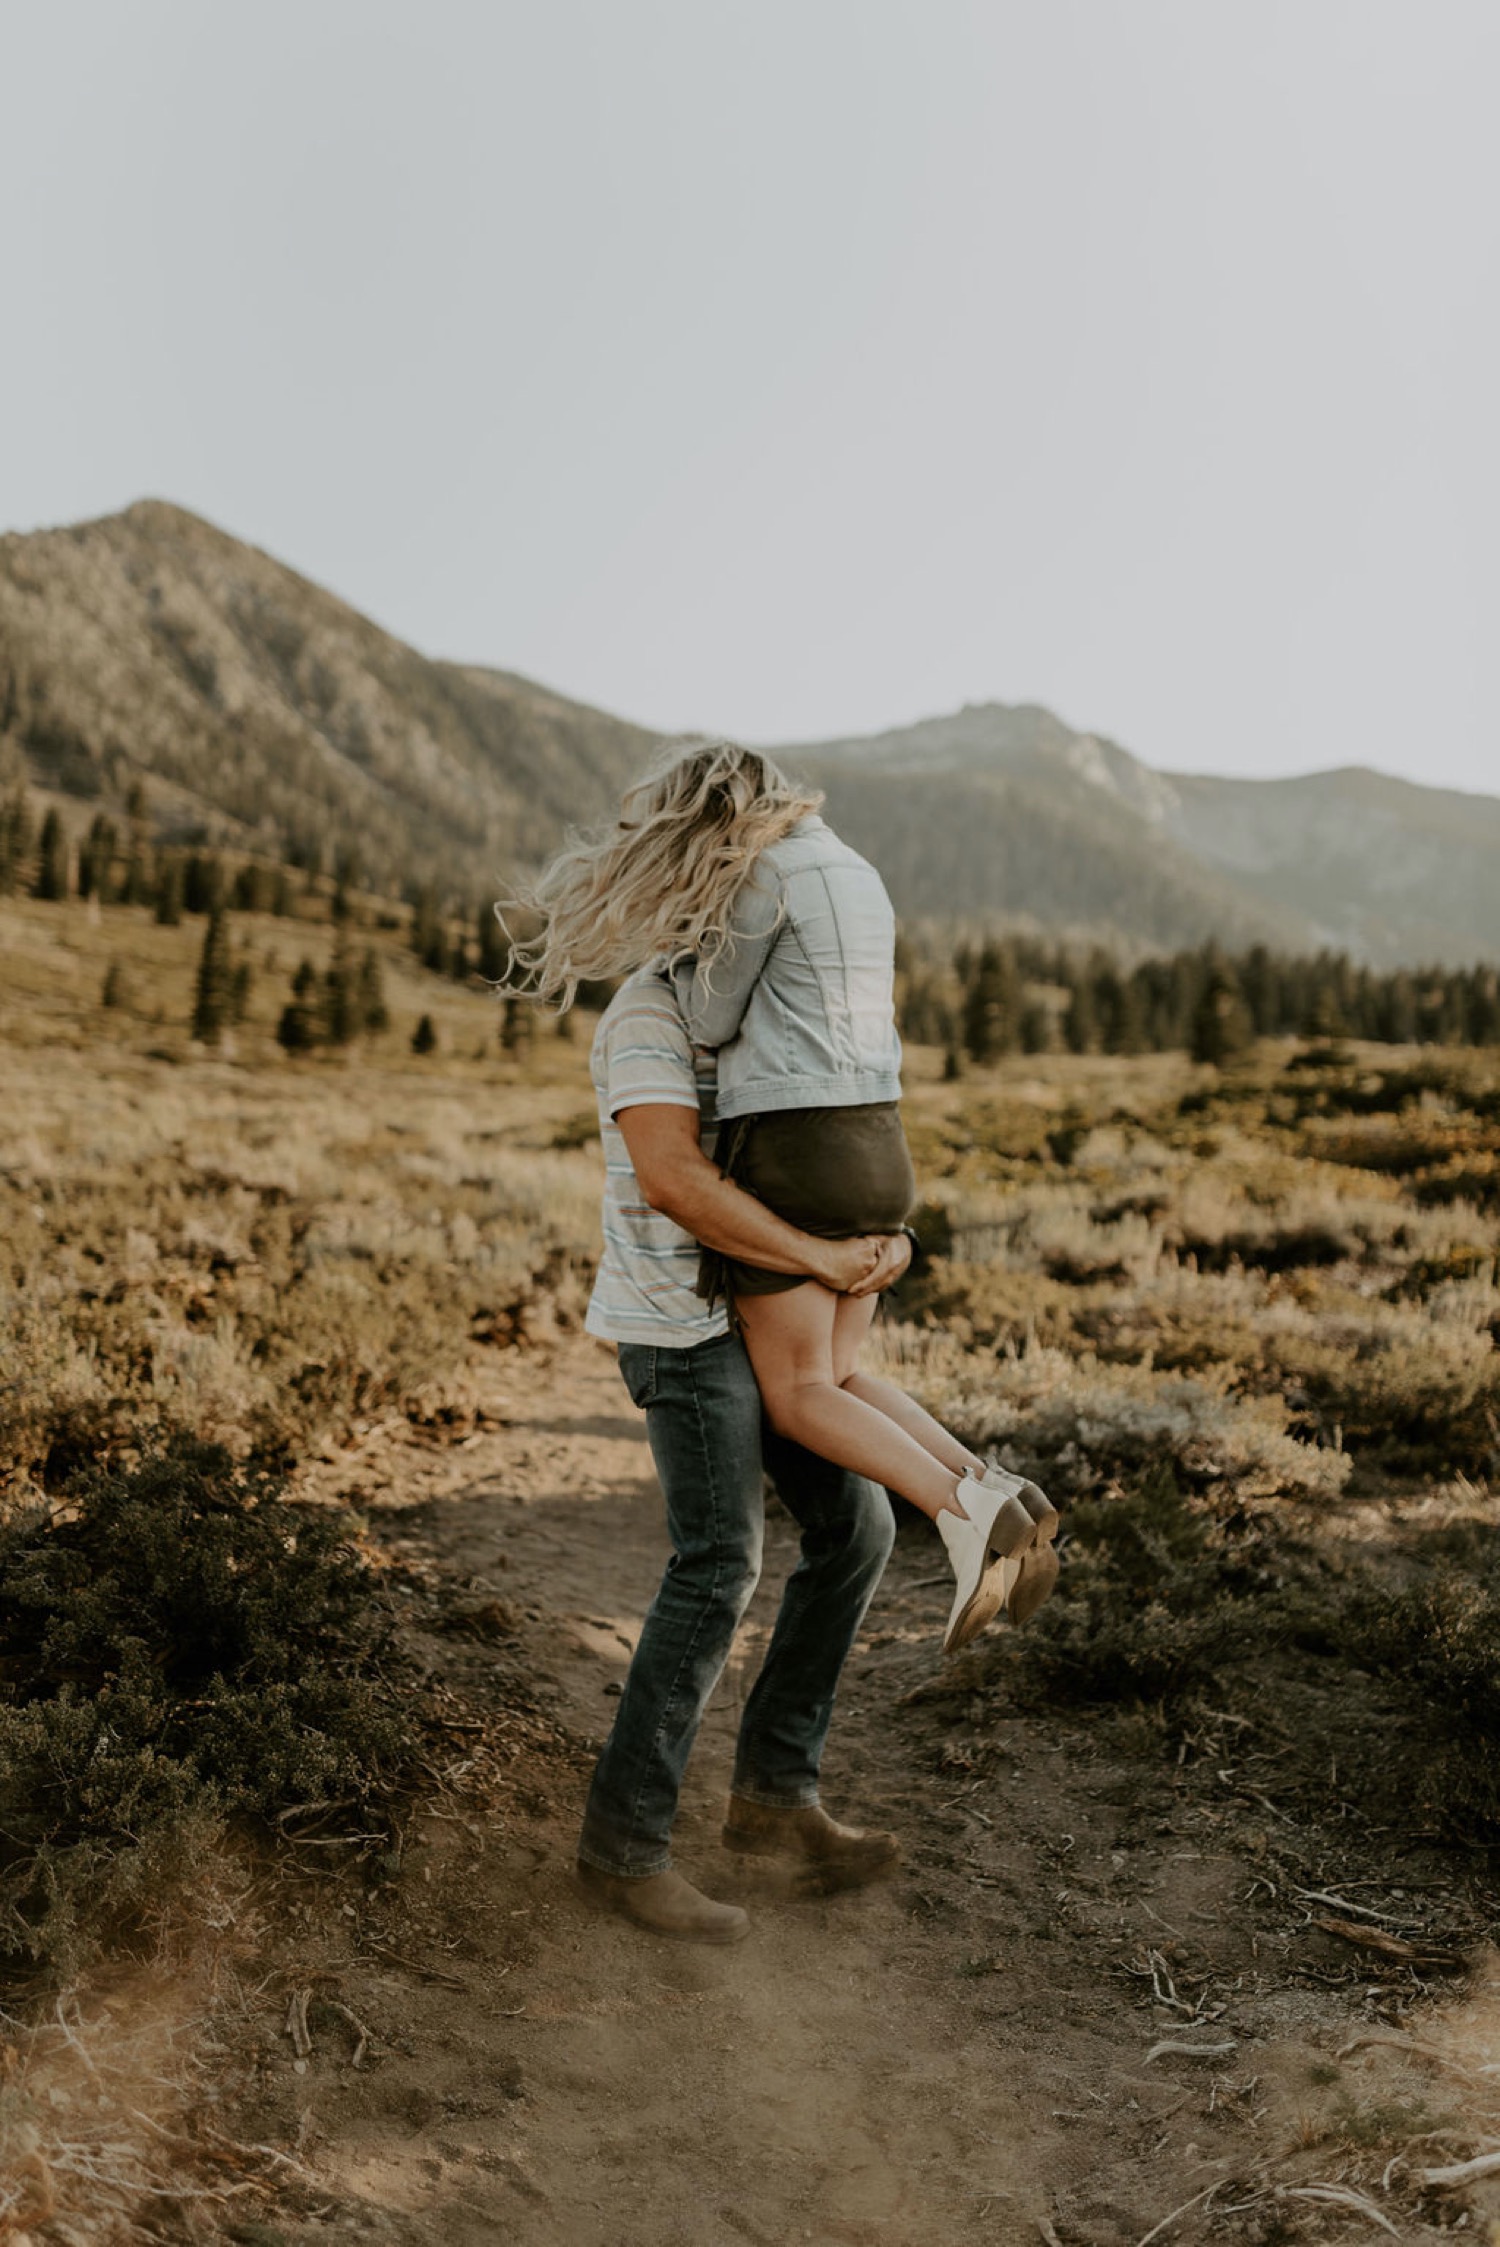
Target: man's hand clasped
[{"x": 866, "y": 1265}]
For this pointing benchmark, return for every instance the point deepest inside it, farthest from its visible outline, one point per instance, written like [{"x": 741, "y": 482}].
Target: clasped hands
[{"x": 865, "y": 1265}]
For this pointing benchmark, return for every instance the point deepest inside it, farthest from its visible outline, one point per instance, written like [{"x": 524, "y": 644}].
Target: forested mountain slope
[{"x": 261, "y": 713}]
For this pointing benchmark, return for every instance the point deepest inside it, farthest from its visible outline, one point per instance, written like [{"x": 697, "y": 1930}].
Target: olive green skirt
[{"x": 833, "y": 1172}]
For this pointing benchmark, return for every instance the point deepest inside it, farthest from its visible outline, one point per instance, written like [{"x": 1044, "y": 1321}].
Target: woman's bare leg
[
  {"x": 790, "y": 1339},
  {"x": 851, "y": 1323}
]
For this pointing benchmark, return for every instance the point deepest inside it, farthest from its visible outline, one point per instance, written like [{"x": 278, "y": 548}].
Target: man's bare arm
[{"x": 676, "y": 1177}]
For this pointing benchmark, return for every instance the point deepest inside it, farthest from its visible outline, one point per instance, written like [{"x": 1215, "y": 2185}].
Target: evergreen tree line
[
  {"x": 119, "y": 864},
  {"x": 125, "y": 868},
  {"x": 1022, "y": 995}
]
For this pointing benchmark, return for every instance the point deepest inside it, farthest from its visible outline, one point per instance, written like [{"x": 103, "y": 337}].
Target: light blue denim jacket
[{"x": 800, "y": 1004}]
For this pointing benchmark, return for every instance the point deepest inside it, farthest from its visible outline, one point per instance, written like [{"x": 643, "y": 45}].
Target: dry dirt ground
[{"x": 965, "y": 2053}]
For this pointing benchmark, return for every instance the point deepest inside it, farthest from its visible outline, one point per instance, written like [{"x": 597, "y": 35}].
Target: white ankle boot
[
  {"x": 1037, "y": 1577},
  {"x": 985, "y": 1546}
]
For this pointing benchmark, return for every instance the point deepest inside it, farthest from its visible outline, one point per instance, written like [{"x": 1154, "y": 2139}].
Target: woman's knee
[{"x": 791, "y": 1406}]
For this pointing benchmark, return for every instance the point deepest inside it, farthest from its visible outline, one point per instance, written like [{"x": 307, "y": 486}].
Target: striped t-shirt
[{"x": 642, "y": 1057}]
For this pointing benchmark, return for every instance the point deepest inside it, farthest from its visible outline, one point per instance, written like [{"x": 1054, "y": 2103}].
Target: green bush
[
  {"x": 1150, "y": 1603},
  {"x": 182, "y": 1647},
  {"x": 1439, "y": 1642}
]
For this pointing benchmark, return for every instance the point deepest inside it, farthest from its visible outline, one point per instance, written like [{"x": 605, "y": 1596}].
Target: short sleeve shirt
[{"x": 642, "y": 1057}]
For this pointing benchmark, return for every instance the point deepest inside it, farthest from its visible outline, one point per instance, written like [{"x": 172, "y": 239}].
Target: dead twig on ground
[
  {"x": 361, "y": 2033},
  {"x": 296, "y": 2023},
  {"x": 1393, "y": 1946},
  {"x": 1342, "y": 1904},
  {"x": 1406, "y": 2044},
  {"x": 1161, "y": 1972},
  {"x": 415, "y": 1966}
]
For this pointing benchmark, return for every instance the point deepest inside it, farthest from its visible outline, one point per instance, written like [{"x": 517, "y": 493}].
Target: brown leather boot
[
  {"x": 834, "y": 1856},
  {"x": 665, "y": 1904}
]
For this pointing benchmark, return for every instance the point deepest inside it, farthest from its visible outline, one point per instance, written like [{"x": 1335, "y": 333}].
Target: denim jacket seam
[{"x": 840, "y": 1024}]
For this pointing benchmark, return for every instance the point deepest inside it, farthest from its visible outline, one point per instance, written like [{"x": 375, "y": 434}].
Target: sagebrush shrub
[
  {"x": 1149, "y": 1607},
  {"x": 181, "y": 1646},
  {"x": 1079, "y": 1424},
  {"x": 1439, "y": 1642}
]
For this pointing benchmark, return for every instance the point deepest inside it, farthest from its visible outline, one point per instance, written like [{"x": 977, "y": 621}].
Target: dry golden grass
[
  {"x": 262, "y": 1249},
  {"x": 252, "y": 1247},
  {"x": 1142, "y": 1259}
]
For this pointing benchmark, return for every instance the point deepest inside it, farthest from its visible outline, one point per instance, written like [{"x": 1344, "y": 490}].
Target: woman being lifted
[{"x": 780, "y": 941}]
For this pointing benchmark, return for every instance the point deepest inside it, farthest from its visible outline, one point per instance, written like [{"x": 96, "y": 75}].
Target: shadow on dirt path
[{"x": 962, "y": 2054}]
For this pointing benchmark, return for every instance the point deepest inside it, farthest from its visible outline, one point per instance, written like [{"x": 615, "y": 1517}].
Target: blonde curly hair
[{"x": 662, "y": 879}]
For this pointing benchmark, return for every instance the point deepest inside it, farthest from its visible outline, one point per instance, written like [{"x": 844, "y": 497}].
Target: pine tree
[
  {"x": 202, "y": 883},
  {"x": 52, "y": 868},
  {"x": 1081, "y": 1021},
  {"x": 341, "y": 1013},
  {"x": 113, "y": 993},
  {"x": 298, "y": 1029},
  {"x": 374, "y": 1014},
  {"x": 253, "y": 887},
  {"x": 241, "y": 984},
  {"x": 424, "y": 1037},
  {"x": 517, "y": 1027},
  {"x": 1122, "y": 1026},
  {"x": 1036, "y": 1028},
  {"x": 96, "y": 859},
  {"x": 213, "y": 1003},
  {"x": 1325, "y": 1017},
  {"x": 426, "y": 928},
  {"x": 992, "y": 1005},
  {"x": 15, "y": 840},
  {"x": 169, "y": 892},
  {"x": 1482, "y": 1007},
  {"x": 1221, "y": 1024}
]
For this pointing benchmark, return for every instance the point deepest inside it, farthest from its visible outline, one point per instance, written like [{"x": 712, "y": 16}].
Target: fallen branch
[
  {"x": 1342, "y": 1904},
  {"x": 1407, "y": 2044},
  {"x": 1339, "y": 2196},
  {"x": 1392, "y": 1946},
  {"x": 1193, "y": 2051},
  {"x": 1461, "y": 2172}
]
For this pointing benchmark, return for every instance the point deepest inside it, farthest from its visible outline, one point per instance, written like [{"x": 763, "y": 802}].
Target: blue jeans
[{"x": 707, "y": 1436}]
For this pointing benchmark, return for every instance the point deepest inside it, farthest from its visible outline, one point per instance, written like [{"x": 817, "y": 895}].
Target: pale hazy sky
[{"x": 805, "y": 366}]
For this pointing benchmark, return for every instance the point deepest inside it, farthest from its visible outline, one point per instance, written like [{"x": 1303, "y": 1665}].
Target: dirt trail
[{"x": 960, "y": 2054}]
